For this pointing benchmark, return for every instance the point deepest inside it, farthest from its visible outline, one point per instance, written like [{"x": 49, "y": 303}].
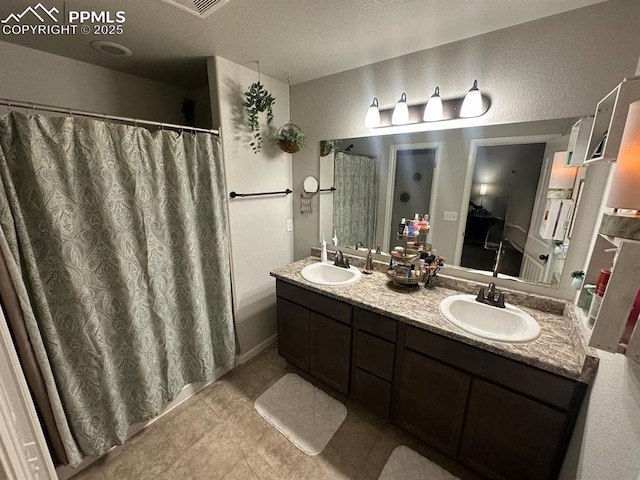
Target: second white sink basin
[
  {"x": 328, "y": 274},
  {"x": 508, "y": 324}
]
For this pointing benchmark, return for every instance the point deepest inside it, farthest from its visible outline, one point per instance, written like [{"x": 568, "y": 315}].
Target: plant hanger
[{"x": 258, "y": 100}]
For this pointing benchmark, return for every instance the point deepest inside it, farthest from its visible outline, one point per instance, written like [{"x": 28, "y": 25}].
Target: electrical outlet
[
  {"x": 450, "y": 216},
  {"x": 289, "y": 224}
]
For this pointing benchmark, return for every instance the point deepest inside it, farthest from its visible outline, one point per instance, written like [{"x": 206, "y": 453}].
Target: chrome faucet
[
  {"x": 340, "y": 260},
  {"x": 494, "y": 297}
]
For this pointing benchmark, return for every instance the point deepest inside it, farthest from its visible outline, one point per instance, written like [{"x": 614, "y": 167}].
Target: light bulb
[
  {"x": 433, "y": 110},
  {"x": 483, "y": 189},
  {"x": 401, "y": 111},
  {"x": 472, "y": 104},
  {"x": 372, "y": 120}
]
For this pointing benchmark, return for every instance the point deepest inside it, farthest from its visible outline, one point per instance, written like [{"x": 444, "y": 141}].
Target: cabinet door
[
  {"x": 431, "y": 400},
  {"x": 507, "y": 436},
  {"x": 330, "y": 351},
  {"x": 293, "y": 333}
]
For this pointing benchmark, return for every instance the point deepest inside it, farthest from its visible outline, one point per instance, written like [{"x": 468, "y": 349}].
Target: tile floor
[{"x": 218, "y": 435}]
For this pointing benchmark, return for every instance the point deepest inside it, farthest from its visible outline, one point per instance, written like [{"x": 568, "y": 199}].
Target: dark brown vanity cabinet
[
  {"x": 502, "y": 418},
  {"x": 509, "y": 436},
  {"x": 314, "y": 334},
  {"x": 431, "y": 401},
  {"x": 374, "y": 355}
]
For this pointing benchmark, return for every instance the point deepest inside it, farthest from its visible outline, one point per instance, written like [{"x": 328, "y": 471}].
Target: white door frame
[
  {"x": 23, "y": 450},
  {"x": 391, "y": 180},
  {"x": 468, "y": 180}
]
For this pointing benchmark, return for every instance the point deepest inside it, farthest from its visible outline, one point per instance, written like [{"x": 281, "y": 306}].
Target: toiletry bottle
[
  {"x": 405, "y": 231},
  {"x": 323, "y": 251},
  {"x": 596, "y": 302},
  {"x": 403, "y": 224}
]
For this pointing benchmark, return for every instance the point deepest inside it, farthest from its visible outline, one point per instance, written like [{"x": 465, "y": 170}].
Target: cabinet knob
[{"x": 544, "y": 258}]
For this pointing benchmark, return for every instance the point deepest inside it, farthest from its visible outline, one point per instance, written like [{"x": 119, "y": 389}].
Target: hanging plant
[
  {"x": 290, "y": 138},
  {"x": 258, "y": 100},
  {"x": 189, "y": 112},
  {"x": 328, "y": 146}
]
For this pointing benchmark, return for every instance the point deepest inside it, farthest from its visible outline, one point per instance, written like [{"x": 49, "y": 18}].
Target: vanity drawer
[
  {"x": 547, "y": 387},
  {"x": 371, "y": 392},
  {"x": 375, "y": 355},
  {"x": 313, "y": 301},
  {"x": 378, "y": 325}
]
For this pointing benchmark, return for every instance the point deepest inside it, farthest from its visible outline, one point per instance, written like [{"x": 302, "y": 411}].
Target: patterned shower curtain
[
  {"x": 354, "y": 201},
  {"x": 116, "y": 242}
]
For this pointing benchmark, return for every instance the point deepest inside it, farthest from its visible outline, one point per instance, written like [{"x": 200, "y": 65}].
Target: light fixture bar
[{"x": 450, "y": 111}]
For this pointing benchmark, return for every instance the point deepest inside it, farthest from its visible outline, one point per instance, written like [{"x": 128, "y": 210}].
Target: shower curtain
[
  {"x": 115, "y": 239},
  {"x": 354, "y": 201}
]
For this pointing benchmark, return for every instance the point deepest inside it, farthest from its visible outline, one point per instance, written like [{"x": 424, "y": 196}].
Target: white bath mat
[
  {"x": 304, "y": 414},
  {"x": 406, "y": 464}
]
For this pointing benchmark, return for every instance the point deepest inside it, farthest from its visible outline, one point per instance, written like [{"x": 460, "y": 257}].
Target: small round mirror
[{"x": 311, "y": 185}]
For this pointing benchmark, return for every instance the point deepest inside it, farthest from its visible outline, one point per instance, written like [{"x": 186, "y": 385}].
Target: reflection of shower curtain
[
  {"x": 354, "y": 201},
  {"x": 115, "y": 239}
]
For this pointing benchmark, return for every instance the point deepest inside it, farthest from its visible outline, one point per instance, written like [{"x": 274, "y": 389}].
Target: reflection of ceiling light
[
  {"x": 111, "y": 48},
  {"x": 372, "y": 119},
  {"x": 483, "y": 189},
  {"x": 472, "y": 104},
  {"x": 433, "y": 111},
  {"x": 401, "y": 112}
]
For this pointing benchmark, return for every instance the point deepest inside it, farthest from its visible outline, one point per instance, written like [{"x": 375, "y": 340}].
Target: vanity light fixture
[
  {"x": 401, "y": 111},
  {"x": 372, "y": 120},
  {"x": 433, "y": 111},
  {"x": 472, "y": 104}
]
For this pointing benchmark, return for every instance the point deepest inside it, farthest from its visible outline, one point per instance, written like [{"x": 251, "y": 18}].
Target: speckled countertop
[{"x": 561, "y": 347}]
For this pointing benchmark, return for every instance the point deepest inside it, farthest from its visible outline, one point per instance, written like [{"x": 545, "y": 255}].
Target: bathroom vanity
[{"x": 505, "y": 410}]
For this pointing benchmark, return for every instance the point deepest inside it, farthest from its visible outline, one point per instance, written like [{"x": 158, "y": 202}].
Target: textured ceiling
[{"x": 308, "y": 38}]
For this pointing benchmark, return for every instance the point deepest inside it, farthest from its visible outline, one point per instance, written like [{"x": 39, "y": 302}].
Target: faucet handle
[
  {"x": 481, "y": 298},
  {"x": 500, "y": 302},
  {"x": 345, "y": 262}
]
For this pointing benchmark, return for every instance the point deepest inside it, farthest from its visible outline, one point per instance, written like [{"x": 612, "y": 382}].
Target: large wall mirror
[{"x": 500, "y": 199}]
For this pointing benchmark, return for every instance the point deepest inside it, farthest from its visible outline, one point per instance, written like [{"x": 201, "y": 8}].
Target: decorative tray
[
  {"x": 409, "y": 255},
  {"x": 398, "y": 275}
]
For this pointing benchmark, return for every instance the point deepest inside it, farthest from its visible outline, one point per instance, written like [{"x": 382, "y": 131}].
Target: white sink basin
[
  {"x": 328, "y": 274},
  {"x": 508, "y": 324}
]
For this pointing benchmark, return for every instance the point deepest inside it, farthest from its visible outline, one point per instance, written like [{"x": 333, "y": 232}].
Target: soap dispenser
[{"x": 323, "y": 251}]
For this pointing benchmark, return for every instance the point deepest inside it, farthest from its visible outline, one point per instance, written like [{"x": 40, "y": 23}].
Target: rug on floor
[
  {"x": 304, "y": 414},
  {"x": 407, "y": 464}
]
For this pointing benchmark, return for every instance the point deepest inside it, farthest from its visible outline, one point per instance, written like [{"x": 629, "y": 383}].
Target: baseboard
[{"x": 245, "y": 357}]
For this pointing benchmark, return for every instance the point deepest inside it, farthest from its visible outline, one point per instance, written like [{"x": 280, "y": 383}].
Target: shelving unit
[
  {"x": 578, "y": 142},
  {"x": 608, "y": 123}
]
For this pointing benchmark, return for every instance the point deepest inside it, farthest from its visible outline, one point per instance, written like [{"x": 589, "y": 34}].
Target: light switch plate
[
  {"x": 450, "y": 216},
  {"x": 289, "y": 224}
]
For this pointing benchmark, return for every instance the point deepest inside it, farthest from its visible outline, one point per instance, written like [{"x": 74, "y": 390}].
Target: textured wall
[
  {"x": 38, "y": 77},
  {"x": 259, "y": 240},
  {"x": 555, "y": 67}
]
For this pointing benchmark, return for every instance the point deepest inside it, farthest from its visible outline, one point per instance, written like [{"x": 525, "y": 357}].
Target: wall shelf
[
  {"x": 579, "y": 141},
  {"x": 609, "y": 121}
]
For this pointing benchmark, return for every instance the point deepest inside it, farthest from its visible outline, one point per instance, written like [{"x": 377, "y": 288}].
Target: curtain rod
[{"x": 100, "y": 116}]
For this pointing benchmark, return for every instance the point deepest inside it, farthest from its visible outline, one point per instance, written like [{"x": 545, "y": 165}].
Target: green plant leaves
[{"x": 258, "y": 100}]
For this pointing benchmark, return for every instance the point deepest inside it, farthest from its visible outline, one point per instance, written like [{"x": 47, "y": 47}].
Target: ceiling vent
[{"x": 200, "y": 8}]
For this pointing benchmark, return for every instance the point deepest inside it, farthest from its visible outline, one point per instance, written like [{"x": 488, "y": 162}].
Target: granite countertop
[{"x": 560, "y": 349}]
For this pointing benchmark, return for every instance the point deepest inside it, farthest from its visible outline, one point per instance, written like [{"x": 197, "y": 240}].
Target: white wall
[
  {"x": 33, "y": 76},
  {"x": 259, "y": 240},
  {"x": 555, "y": 67}
]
